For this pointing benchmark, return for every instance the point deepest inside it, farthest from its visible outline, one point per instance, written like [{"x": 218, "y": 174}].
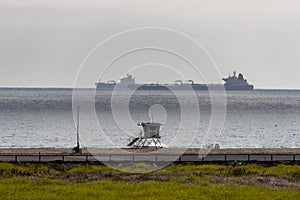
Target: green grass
[
  {"x": 20, "y": 188},
  {"x": 277, "y": 171},
  {"x": 289, "y": 171},
  {"x": 173, "y": 182},
  {"x": 91, "y": 169}
]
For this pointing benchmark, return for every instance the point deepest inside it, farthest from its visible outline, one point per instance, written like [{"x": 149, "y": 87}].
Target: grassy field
[{"x": 173, "y": 182}]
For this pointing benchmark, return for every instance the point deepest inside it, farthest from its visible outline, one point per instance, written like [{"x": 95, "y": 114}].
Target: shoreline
[{"x": 164, "y": 150}]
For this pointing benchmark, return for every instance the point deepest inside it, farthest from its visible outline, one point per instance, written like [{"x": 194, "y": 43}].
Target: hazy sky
[{"x": 43, "y": 42}]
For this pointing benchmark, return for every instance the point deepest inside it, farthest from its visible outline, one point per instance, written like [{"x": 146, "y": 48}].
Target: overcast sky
[{"x": 43, "y": 42}]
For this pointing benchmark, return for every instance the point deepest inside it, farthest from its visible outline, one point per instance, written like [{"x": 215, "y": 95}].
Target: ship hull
[
  {"x": 238, "y": 88},
  {"x": 158, "y": 87},
  {"x": 105, "y": 86}
]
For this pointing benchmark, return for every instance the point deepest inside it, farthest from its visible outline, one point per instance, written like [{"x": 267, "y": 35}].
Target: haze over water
[{"x": 43, "y": 118}]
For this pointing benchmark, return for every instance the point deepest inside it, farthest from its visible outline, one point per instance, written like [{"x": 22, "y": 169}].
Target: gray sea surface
[{"x": 34, "y": 118}]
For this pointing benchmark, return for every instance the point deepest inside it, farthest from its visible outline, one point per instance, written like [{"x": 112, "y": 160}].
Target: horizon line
[{"x": 92, "y": 88}]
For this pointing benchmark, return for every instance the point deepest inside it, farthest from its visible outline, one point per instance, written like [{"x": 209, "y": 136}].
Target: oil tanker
[{"x": 232, "y": 82}]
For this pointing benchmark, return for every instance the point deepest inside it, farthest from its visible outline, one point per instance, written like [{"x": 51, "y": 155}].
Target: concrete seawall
[{"x": 177, "y": 155}]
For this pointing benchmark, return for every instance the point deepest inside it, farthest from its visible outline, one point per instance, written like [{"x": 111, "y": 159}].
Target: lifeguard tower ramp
[{"x": 149, "y": 138}]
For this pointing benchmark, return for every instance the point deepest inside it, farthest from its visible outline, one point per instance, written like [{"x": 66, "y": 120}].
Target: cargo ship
[{"x": 233, "y": 82}]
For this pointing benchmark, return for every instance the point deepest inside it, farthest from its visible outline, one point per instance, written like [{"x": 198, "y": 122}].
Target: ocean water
[{"x": 251, "y": 119}]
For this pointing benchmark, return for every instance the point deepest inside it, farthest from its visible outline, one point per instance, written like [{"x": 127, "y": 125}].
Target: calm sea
[{"x": 44, "y": 118}]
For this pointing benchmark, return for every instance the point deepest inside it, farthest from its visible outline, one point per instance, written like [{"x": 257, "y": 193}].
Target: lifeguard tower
[{"x": 149, "y": 137}]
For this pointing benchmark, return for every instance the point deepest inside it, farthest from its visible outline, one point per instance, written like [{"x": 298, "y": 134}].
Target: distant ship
[
  {"x": 237, "y": 82},
  {"x": 128, "y": 83}
]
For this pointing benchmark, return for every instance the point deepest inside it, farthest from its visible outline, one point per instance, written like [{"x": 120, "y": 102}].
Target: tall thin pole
[{"x": 78, "y": 126}]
